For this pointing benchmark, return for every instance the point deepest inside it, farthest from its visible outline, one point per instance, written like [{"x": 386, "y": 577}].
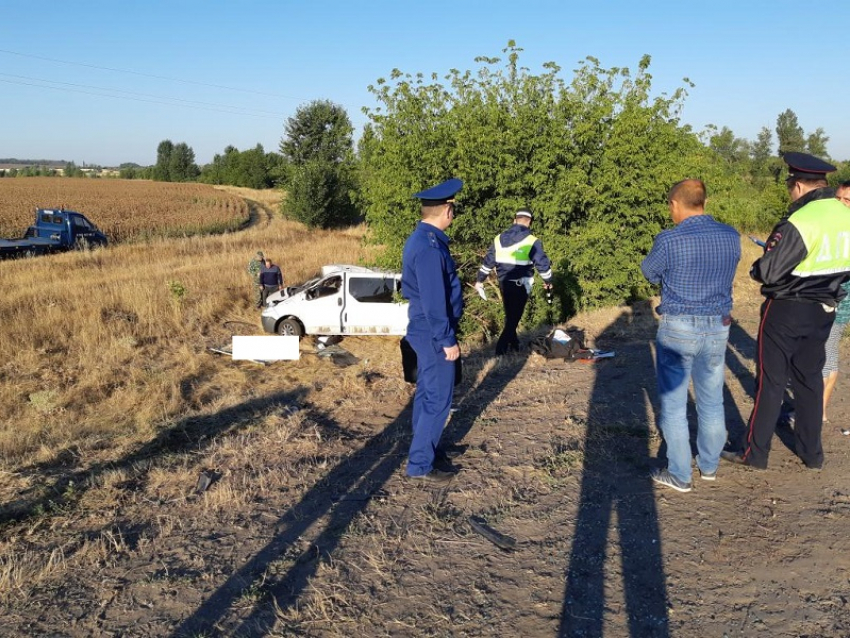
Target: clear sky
[{"x": 101, "y": 82}]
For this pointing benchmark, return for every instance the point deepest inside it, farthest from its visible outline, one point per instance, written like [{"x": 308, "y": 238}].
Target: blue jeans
[{"x": 692, "y": 347}]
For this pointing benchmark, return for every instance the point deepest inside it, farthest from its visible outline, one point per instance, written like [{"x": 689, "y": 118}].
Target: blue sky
[{"x": 104, "y": 82}]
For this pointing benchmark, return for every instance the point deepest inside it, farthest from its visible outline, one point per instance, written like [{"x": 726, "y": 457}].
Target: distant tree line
[
  {"x": 70, "y": 169},
  {"x": 29, "y": 171},
  {"x": 253, "y": 168}
]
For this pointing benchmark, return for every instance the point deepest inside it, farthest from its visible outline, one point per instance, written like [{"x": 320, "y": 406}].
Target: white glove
[{"x": 479, "y": 287}]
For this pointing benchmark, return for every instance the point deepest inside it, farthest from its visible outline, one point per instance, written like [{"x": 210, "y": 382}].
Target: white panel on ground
[{"x": 266, "y": 348}]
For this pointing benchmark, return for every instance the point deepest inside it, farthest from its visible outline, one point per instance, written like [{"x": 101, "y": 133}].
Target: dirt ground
[{"x": 309, "y": 528}]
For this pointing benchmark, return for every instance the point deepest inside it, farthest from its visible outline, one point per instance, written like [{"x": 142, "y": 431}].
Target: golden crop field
[{"x": 126, "y": 210}]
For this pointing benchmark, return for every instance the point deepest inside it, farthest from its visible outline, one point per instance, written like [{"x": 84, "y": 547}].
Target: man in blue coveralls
[{"x": 429, "y": 281}]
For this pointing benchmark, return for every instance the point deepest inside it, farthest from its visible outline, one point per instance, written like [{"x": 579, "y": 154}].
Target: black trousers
[
  {"x": 791, "y": 340},
  {"x": 268, "y": 290},
  {"x": 514, "y": 298}
]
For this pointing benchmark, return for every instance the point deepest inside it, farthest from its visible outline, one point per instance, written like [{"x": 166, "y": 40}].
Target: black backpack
[{"x": 550, "y": 348}]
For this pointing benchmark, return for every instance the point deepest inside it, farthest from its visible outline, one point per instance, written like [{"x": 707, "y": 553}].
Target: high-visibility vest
[
  {"x": 824, "y": 226},
  {"x": 518, "y": 254}
]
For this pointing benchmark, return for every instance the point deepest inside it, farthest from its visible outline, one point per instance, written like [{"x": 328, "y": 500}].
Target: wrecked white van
[{"x": 343, "y": 300}]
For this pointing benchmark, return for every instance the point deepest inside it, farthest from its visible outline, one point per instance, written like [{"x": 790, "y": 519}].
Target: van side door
[{"x": 372, "y": 305}]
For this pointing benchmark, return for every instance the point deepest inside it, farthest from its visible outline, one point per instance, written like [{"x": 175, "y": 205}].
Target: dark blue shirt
[
  {"x": 271, "y": 276},
  {"x": 695, "y": 264},
  {"x": 509, "y": 272},
  {"x": 429, "y": 281}
]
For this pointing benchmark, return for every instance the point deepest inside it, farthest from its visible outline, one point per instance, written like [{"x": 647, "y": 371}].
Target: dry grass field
[
  {"x": 106, "y": 343},
  {"x": 126, "y": 210},
  {"x": 113, "y": 407}
]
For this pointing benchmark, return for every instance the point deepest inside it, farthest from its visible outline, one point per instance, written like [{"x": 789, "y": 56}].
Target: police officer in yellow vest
[
  {"x": 515, "y": 254},
  {"x": 806, "y": 259}
]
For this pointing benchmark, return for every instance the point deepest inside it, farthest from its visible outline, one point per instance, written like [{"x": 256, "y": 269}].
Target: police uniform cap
[
  {"x": 260, "y": 254},
  {"x": 805, "y": 166},
  {"x": 441, "y": 193},
  {"x": 524, "y": 212}
]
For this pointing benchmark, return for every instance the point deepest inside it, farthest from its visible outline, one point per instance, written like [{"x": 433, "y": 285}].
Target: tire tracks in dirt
[{"x": 259, "y": 215}]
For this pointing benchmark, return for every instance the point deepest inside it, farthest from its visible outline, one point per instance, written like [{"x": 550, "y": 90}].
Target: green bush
[{"x": 593, "y": 158}]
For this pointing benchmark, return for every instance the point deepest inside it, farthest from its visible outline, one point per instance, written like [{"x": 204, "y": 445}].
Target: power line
[
  {"x": 157, "y": 99},
  {"x": 149, "y": 75},
  {"x": 135, "y": 99}
]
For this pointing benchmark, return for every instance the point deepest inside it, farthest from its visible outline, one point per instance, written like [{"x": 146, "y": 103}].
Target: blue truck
[{"x": 54, "y": 231}]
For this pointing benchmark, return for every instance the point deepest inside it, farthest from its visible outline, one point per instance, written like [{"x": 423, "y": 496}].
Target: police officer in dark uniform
[
  {"x": 806, "y": 260},
  {"x": 430, "y": 282},
  {"x": 515, "y": 254}
]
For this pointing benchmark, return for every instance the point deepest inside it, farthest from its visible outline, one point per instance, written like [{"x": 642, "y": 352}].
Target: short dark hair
[
  {"x": 844, "y": 184},
  {"x": 689, "y": 192},
  {"x": 817, "y": 182}
]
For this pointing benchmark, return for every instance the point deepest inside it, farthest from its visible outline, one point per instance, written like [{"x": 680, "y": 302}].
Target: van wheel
[{"x": 290, "y": 327}]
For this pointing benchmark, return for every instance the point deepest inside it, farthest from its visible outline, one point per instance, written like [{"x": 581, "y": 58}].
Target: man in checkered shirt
[{"x": 695, "y": 264}]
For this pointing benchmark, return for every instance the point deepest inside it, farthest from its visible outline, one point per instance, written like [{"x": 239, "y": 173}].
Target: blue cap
[
  {"x": 805, "y": 166},
  {"x": 441, "y": 193}
]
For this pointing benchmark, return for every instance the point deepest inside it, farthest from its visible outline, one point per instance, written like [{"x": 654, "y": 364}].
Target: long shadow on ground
[
  {"x": 67, "y": 485},
  {"x": 616, "y": 491},
  {"x": 746, "y": 346},
  {"x": 340, "y": 495}
]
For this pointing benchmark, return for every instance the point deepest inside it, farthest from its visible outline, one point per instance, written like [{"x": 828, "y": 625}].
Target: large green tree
[
  {"x": 318, "y": 151},
  {"x": 733, "y": 149},
  {"x": 816, "y": 143},
  {"x": 161, "y": 170},
  {"x": 789, "y": 133},
  {"x": 181, "y": 164},
  {"x": 175, "y": 162},
  {"x": 593, "y": 159}
]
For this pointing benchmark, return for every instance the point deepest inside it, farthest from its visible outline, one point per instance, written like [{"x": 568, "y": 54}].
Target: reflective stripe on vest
[
  {"x": 824, "y": 226},
  {"x": 518, "y": 253}
]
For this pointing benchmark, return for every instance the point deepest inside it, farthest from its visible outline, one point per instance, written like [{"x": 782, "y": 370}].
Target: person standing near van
[
  {"x": 515, "y": 254},
  {"x": 429, "y": 281},
  {"x": 255, "y": 266},
  {"x": 271, "y": 280}
]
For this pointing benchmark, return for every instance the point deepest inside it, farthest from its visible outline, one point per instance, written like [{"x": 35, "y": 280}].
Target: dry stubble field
[
  {"x": 309, "y": 527},
  {"x": 126, "y": 210}
]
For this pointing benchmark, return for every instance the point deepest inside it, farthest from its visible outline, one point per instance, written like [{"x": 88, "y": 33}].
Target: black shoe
[
  {"x": 814, "y": 467},
  {"x": 733, "y": 457},
  {"x": 737, "y": 459},
  {"x": 449, "y": 452},
  {"x": 435, "y": 476}
]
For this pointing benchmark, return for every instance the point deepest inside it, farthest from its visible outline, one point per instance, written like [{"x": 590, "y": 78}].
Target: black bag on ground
[
  {"x": 551, "y": 348},
  {"x": 408, "y": 363}
]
